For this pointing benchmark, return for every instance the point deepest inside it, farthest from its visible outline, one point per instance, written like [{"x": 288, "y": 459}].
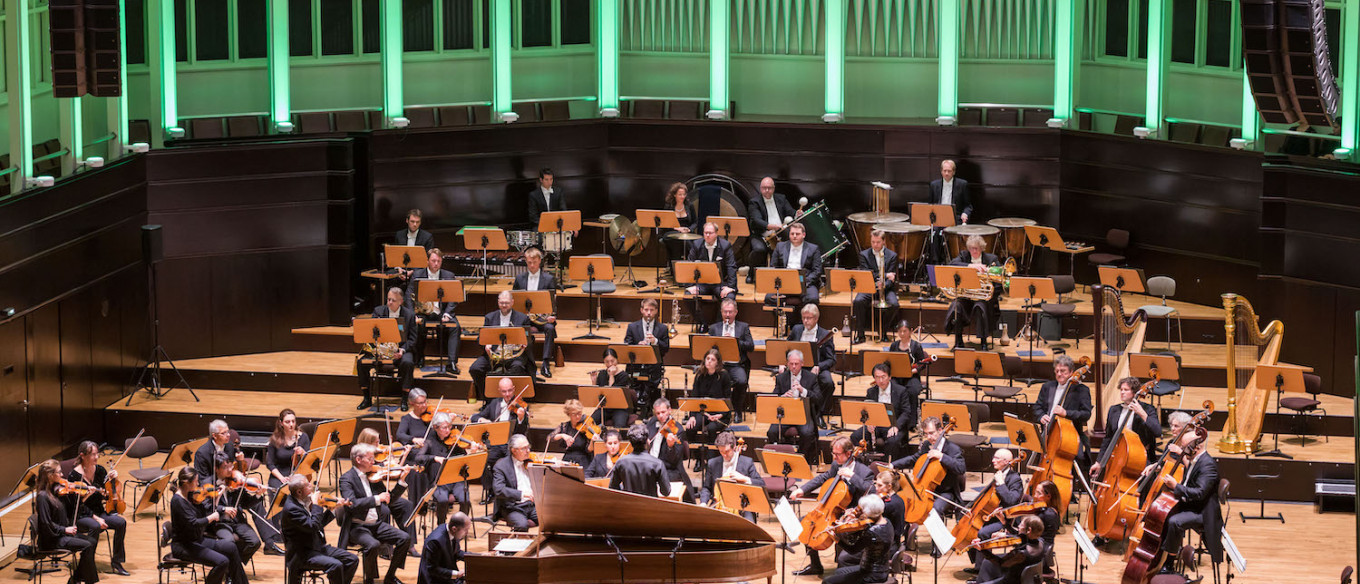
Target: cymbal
[
  {"x": 625, "y": 237},
  {"x": 683, "y": 236}
]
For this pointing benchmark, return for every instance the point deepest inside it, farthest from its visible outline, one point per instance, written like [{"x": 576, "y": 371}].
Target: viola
[
  {"x": 396, "y": 450},
  {"x": 852, "y": 521},
  {"x": 391, "y": 473},
  {"x": 332, "y": 501},
  {"x": 1009, "y": 513},
  {"x": 205, "y": 492},
  {"x": 458, "y": 440},
  {"x": 588, "y": 427},
  {"x": 430, "y": 413},
  {"x": 817, "y": 532},
  {"x": 251, "y": 486}
]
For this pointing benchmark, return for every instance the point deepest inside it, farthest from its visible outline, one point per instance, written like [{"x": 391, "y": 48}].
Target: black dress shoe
[
  {"x": 413, "y": 553},
  {"x": 273, "y": 550},
  {"x": 809, "y": 571},
  {"x": 393, "y": 580},
  {"x": 363, "y": 405},
  {"x": 544, "y": 370},
  {"x": 970, "y": 570},
  {"x": 454, "y": 370},
  {"x": 859, "y": 339},
  {"x": 118, "y": 569}
]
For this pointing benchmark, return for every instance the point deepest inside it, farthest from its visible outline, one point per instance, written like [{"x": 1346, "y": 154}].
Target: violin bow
[{"x": 387, "y": 479}]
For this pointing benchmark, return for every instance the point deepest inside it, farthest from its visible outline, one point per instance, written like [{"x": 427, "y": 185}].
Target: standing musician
[
  {"x": 639, "y": 472},
  {"x": 857, "y": 476},
  {"x": 729, "y": 465},
  {"x": 545, "y": 198},
  {"x": 800, "y": 383},
  {"x": 824, "y": 343},
  {"x": 883, "y": 263},
  {"x": 766, "y": 214},
  {"x": 669, "y": 446},
  {"x": 960, "y": 313},
  {"x": 443, "y": 550},
  {"x": 611, "y": 375},
  {"x": 372, "y": 505},
  {"x": 1069, "y": 400},
  {"x": 934, "y": 444},
  {"x": 514, "y": 492},
  {"x": 402, "y": 356},
  {"x": 1197, "y": 504},
  {"x": 444, "y": 312},
  {"x": 740, "y": 369},
  {"x": 885, "y": 391},
  {"x": 436, "y": 451},
  {"x": 1006, "y": 569},
  {"x": 711, "y": 381},
  {"x": 872, "y": 547},
  {"x": 686, "y": 214},
  {"x": 231, "y": 505},
  {"x": 905, "y": 343},
  {"x": 717, "y": 250},
  {"x": 92, "y": 518},
  {"x": 951, "y": 190},
  {"x": 54, "y": 528},
  {"x": 533, "y": 280},
  {"x": 576, "y": 441},
  {"x": 499, "y": 410},
  {"x": 801, "y": 255},
  {"x": 304, "y": 525},
  {"x": 514, "y": 359},
  {"x": 189, "y": 540},
  {"x": 648, "y": 331},
  {"x": 1131, "y": 414},
  {"x": 413, "y": 234},
  {"x": 286, "y": 447},
  {"x": 604, "y": 462}
]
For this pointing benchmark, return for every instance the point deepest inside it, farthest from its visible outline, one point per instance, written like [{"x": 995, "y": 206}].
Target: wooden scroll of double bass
[
  {"x": 836, "y": 498},
  {"x": 1115, "y": 509},
  {"x": 1062, "y": 444},
  {"x": 1148, "y": 557},
  {"x": 924, "y": 481},
  {"x": 1161, "y": 470}
]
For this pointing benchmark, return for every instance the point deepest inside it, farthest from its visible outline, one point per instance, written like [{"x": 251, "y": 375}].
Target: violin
[
  {"x": 624, "y": 449},
  {"x": 382, "y": 451},
  {"x": 430, "y": 412},
  {"x": 251, "y": 486},
  {"x": 332, "y": 501},
  {"x": 458, "y": 440},
  {"x": 1001, "y": 541},
  {"x": 205, "y": 492},
  {"x": 852, "y": 521},
  {"x": 1008, "y": 513},
  {"x": 589, "y": 428},
  {"x": 82, "y": 489},
  {"x": 670, "y": 427},
  {"x": 388, "y": 473}
]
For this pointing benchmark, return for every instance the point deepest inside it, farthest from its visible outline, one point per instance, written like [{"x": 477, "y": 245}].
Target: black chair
[
  {"x": 969, "y": 116},
  {"x": 1003, "y": 116},
  {"x": 978, "y": 413},
  {"x": 167, "y": 562},
  {"x": 1302, "y": 406},
  {"x": 206, "y": 128},
  {"x": 244, "y": 126},
  {"x": 1167, "y": 387},
  {"x": 1013, "y": 366},
  {"x": 351, "y": 121},
  {"x": 1186, "y": 558},
  {"x": 1060, "y": 310},
  {"x": 1118, "y": 242},
  {"x": 527, "y": 110},
  {"x": 555, "y": 111},
  {"x": 138, "y": 478},
  {"x": 653, "y": 109},
  {"x": 1036, "y": 117},
  {"x": 45, "y": 560},
  {"x": 481, "y": 114},
  {"x": 1125, "y": 124},
  {"x": 313, "y": 123}
]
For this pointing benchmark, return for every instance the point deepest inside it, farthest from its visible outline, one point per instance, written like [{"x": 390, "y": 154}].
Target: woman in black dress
[
  {"x": 56, "y": 530},
  {"x": 713, "y": 382},
  {"x": 188, "y": 540},
  {"x": 868, "y": 551},
  {"x": 906, "y": 344},
  {"x": 576, "y": 440},
  {"x": 611, "y": 375},
  {"x": 287, "y": 445},
  {"x": 686, "y": 213},
  {"x": 92, "y": 518}
]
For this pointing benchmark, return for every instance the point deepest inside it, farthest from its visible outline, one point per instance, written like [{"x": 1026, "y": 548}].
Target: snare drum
[
  {"x": 820, "y": 229},
  {"x": 906, "y": 239},
  {"x": 861, "y": 224},
  {"x": 1012, "y": 242},
  {"x": 555, "y": 242},
  {"x": 522, "y": 240},
  {"x": 958, "y": 236}
]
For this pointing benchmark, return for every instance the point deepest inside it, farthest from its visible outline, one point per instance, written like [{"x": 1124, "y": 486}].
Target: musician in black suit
[
  {"x": 371, "y": 508},
  {"x": 883, "y": 263},
  {"x": 883, "y": 390},
  {"x": 500, "y": 410},
  {"x": 670, "y": 447},
  {"x": 799, "y": 254},
  {"x": 603, "y": 463},
  {"x": 905, "y": 343},
  {"x": 1010, "y": 491},
  {"x": 403, "y": 358},
  {"x": 766, "y": 215},
  {"x": 545, "y": 197},
  {"x": 951, "y": 190},
  {"x": 538, "y": 279},
  {"x": 54, "y": 529},
  {"x": 1197, "y": 504},
  {"x": 442, "y": 552},
  {"x": 729, "y": 465},
  {"x": 739, "y": 369},
  {"x": 304, "y": 524},
  {"x": 514, "y": 492},
  {"x": 858, "y": 476},
  {"x": 824, "y": 345},
  {"x": 935, "y": 445},
  {"x": 1074, "y": 402},
  {"x": 640, "y": 472},
  {"x": 611, "y": 374},
  {"x": 1133, "y": 415},
  {"x": 717, "y": 250},
  {"x": 219, "y": 442},
  {"x": 795, "y": 381},
  {"x": 520, "y": 360},
  {"x": 961, "y": 312},
  {"x": 428, "y": 312},
  {"x": 413, "y": 234},
  {"x": 648, "y": 331}
]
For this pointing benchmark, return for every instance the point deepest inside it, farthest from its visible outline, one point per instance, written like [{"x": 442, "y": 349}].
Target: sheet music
[
  {"x": 1085, "y": 544},
  {"x": 939, "y": 532},
  {"x": 1233, "y": 553},
  {"x": 788, "y": 519},
  {"x": 512, "y": 545}
]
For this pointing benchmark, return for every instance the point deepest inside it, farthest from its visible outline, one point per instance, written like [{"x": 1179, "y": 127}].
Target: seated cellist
[
  {"x": 857, "y": 475},
  {"x": 935, "y": 446}
]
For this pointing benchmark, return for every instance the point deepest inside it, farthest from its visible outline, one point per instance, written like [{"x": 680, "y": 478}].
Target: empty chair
[
  {"x": 140, "y": 477},
  {"x": 1118, "y": 242},
  {"x": 1059, "y": 310},
  {"x": 313, "y": 122},
  {"x": 978, "y": 413},
  {"x": 1165, "y": 287},
  {"x": 647, "y": 108},
  {"x": 774, "y": 480},
  {"x": 481, "y": 114},
  {"x": 1013, "y": 366},
  {"x": 1125, "y": 124},
  {"x": 1215, "y": 135},
  {"x": 239, "y": 126},
  {"x": 527, "y": 111},
  {"x": 421, "y": 117},
  {"x": 1036, "y": 117},
  {"x": 1184, "y": 132},
  {"x": 452, "y": 116},
  {"x": 206, "y": 128},
  {"x": 556, "y": 111},
  {"x": 1302, "y": 406}
]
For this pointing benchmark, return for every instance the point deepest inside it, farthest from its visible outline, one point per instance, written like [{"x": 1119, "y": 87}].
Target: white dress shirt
[
  {"x": 795, "y": 257},
  {"x": 411, "y": 237},
  {"x": 531, "y": 282},
  {"x": 505, "y": 318},
  {"x": 526, "y": 489},
  {"x": 947, "y": 192},
  {"x": 772, "y": 212}
]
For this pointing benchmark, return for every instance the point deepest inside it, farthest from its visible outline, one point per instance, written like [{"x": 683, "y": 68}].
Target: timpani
[
  {"x": 861, "y": 224},
  {"x": 1012, "y": 242},
  {"x": 959, "y": 234},
  {"x": 906, "y": 239}
]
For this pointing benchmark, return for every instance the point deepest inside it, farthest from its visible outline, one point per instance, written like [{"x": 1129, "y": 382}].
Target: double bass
[
  {"x": 1062, "y": 444},
  {"x": 1148, "y": 557},
  {"x": 836, "y": 498},
  {"x": 920, "y": 485},
  {"x": 1115, "y": 509}
]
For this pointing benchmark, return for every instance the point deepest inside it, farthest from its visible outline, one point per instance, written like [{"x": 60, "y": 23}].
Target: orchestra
[
  {"x": 372, "y": 503},
  {"x": 400, "y": 355},
  {"x": 58, "y": 529}
]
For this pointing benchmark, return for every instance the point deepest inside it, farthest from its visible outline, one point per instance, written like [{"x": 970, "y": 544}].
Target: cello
[
  {"x": 1161, "y": 471},
  {"x": 1115, "y": 509},
  {"x": 966, "y": 530},
  {"x": 1062, "y": 444},
  {"x": 921, "y": 482},
  {"x": 818, "y": 524},
  {"x": 1148, "y": 557}
]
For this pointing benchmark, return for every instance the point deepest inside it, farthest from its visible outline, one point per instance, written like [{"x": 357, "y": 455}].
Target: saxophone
[{"x": 995, "y": 274}]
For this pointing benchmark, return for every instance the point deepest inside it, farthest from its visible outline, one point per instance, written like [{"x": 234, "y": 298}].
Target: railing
[
  {"x": 50, "y": 156},
  {"x": 1301, "y": 134}
]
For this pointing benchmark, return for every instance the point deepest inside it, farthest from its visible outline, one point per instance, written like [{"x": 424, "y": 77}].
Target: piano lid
[{"x": 570, "y": 506}]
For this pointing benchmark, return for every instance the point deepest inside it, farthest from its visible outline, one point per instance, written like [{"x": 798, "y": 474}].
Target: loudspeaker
[
  {"x": 152, "y": 248},
  {"x": 1289, "y": 72},
  {"x": 103, "y": 48},
  {"x": 66, "y": 31}
]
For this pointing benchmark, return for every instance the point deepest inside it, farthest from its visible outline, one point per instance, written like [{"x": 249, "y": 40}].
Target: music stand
[
  {"x": 866, "y": 413},
  {"x": 441, "y": 291},
  {"x": 960, "y": 278},
  {"x": 610, "y": 398},
  {"x": 1144, "y": 364},
  {"x": 467, "y": 467},
  {"x": 854, "y": 282},
  {"x": 152, "y": 495},
  {"x": 785, "y": 411},
  {"x": 502, "y": 335},
  {"x": 277, "y": 504},
  {"x": 316, "y": 459},
  {"x": 695, "y": 273},
  {"x": 636, "y": 355},
  {"x": 340, "y": 433},
  {"x": 728, "y": 351},
  {"x": 949, "y": 412},
  {"x": 938, "y": 217},
  {"x": 777, "y": 352},
  {"x": 743, "y": 498},
  {"x": 977, "y": 364},
  {"x": 899, "y": 363},
  {"x": 1279, "y": 378},
  {"x": 182, "y": 454},
  {"x": 403, "y": 256},
  {"x": 559, "y": 222},
  {"x": 704, "y": 406},
  {"x": 376, "y": 331},
  {"x": 488, "y": 433},
  {"x": 779, "y": 281},
  {"x": 484, "y": 239},
  {"x": 656, "y": 220},
  {"x": 525, "y": 301},
  {"x": 1023, "y": 433},
  {"x": 786, "y": 465},
  {"x": 589, "y": 268},
  {"x": 1040, "y": 236},
  {"x": 1031, "y": 289},
  {"x": 731, "y": 227},
  {"x": 1123, "y": 279}
]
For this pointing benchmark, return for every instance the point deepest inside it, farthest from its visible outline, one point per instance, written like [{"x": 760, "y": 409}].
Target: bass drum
[
  {"x": 720, "y": 195},
  {"x": 821, "y": 230}
]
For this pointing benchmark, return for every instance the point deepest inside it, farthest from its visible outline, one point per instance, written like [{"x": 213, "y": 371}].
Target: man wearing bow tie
[
  {"x": 544, "y": 197},
  {"x": 717, "y": 250}
]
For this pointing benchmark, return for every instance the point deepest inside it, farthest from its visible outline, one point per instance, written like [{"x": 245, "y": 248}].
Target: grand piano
[{"x": 578, "y": 521}]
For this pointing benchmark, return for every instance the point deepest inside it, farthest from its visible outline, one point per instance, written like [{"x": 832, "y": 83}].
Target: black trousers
[
  {"x": 339, "y": 565},
  {"x": 708, "y": 301},
  {"x": 520, "y": 516},
  {"x": 116, "y": 524},
  {"x": 549, "y": 331},
  {"x": 219, "y": 555},
  {"x": 452, "y": 335},
  {"x": 740, "y": 384},
  {"x": 493, "y": 455},
  {"x": 804, "y": 436},
  {"x": 880, "y": 441},
  {"x": 405, "y": 367},
  {"x": 239, "y": 534},
  {"x": 1176, "y": 526},
  {"x": 370, "y": 537},
  {"x": 759, "y": 257},
  {"x": 864, "y": 316},
  {"x": 482, "y": 367},
  {"x": 83, "y": 547}
]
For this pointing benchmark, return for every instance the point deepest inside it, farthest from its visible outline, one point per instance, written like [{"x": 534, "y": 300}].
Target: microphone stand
[
  {"x": 617, "y": 552},
  {"x": 675, "y": 550}
]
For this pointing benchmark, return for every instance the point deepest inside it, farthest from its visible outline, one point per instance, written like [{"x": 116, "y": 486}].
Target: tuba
[{"x": 990, "y": 278}]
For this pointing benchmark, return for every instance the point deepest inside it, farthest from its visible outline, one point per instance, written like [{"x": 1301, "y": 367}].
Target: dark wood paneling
[
  {"x": 80, "y": 414},
  {"x": 44, "y": 382},
  {"x": 14, "y": 410}
]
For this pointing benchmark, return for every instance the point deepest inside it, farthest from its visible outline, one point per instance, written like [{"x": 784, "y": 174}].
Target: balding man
[
  {"x": 500, "y": 410},
  {"x": 765, "y": 214},
  {"x": 951, "y": 190},
  {"x": 522, "y": 364}
]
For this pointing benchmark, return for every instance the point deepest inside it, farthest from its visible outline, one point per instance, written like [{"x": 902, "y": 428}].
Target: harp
[
  {"x": 1248, "y": 346},
  {"x": 1116, "y": 337}
]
